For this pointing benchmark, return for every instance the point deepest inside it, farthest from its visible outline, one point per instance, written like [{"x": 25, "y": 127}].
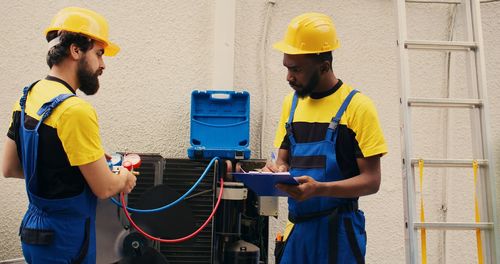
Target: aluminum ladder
[{"x": 473, "y": 46}]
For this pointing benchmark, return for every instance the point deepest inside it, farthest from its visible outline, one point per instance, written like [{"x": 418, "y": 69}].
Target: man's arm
[
  {"x": 105, "y": 183},
  {"x": 11, "y": 166},
  {"x": 366, "y": 183}
]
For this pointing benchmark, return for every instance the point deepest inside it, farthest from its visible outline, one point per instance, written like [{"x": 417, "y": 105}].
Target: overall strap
[
  {"x": 29, "y": 137},
  {"x": 25, "y": 146},
  {"x": 26, "y": 90},
  {"x": 47, "y": 108},
  {"x": 288, "y": 124},
  {"x": 332, "y": 128}
]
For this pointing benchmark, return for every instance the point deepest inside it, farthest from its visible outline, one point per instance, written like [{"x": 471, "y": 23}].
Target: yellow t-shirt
[
  {"x": 360, "y": 134},
  {"x": 68, "y": 138}
]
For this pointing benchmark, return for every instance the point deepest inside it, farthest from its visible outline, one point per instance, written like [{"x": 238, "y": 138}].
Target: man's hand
[
  {"x": 280, "y": 164},
  {"x": 272, "y": 167},
  {"x": 306, "y": 189},
  {"x": 130, "y": 180}
]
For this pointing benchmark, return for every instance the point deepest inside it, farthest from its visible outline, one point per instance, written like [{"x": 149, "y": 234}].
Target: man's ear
[
  {"x": 74, "y": 52},
  {"x": 325, "y": 66}
]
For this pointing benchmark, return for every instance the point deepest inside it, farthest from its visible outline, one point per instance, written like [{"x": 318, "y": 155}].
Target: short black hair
[
  {"x": 60, "y": 51},
  {"x": 321, "y": 57}
]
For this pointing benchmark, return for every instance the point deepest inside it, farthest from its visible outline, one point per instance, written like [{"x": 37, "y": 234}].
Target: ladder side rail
[
  {"x": 476, "y": 115},
  {"x": 411, "y": 251},
  {"x": 479, "y": 128},
  {"x": 487, "y": 184}
]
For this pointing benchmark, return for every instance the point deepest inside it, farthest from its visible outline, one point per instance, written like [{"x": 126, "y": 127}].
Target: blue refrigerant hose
[{"x": 154, "y": 210}]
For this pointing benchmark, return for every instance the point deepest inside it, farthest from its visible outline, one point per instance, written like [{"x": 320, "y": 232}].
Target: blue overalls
[
  {"x": 326, "y": 230},
  {"x": 53, "y": 230}
]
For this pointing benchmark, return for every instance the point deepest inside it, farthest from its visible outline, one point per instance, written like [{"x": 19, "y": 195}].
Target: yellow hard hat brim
[
  {"x": 111, "y": 49},
  {"x": 287, "y": 49}
]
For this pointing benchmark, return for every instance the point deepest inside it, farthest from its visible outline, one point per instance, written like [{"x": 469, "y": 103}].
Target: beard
[
  {"x": 308, "y": 88},
  {"x": 89, "y": 81}
]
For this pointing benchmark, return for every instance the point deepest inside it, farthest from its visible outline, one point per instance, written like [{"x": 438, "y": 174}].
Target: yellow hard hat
[
  {"x": 84, "y": 21},
  {"x": 309, "y": 33}
]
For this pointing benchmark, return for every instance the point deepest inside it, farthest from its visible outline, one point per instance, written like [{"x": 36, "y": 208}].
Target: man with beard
[
  {"x": 330, "y": 139},
  {"x": 54, "y": 144}
]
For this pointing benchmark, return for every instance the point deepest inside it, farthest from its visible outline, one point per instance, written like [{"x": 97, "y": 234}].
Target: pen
[{"x": 273, "y": 157}]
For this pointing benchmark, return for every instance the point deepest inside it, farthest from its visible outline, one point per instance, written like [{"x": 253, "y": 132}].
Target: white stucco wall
[{"x": 167, "y": 48}]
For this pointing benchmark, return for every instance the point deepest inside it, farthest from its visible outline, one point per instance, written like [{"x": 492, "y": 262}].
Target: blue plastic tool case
[{"x": 220, "y": 125}]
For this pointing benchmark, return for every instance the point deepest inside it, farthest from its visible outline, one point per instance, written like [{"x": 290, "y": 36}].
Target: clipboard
[{"x": 262, "y": 183}]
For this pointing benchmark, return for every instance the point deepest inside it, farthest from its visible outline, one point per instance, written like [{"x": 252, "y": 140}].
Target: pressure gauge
[
  {"x": 116, "y": 159},
  {"x": 131, "y": 161},
  {"x": 115, "y": 162}
]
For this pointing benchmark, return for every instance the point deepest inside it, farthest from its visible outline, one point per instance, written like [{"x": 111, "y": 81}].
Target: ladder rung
[
  {"x": 439, "y": 45},
  {"x": 444, "y": 102},
  {"x": 445, "y": 1},
  {"x": 453, "y": 226},
  {"x": 434, "y": 2},
  {"x": 449, "y": 162}
]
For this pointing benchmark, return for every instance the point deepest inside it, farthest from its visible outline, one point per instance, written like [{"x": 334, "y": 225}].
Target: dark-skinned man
[{"x": 329, "y": 138}]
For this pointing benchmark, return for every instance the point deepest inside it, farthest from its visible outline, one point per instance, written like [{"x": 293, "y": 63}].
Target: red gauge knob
[
  {"x": 133, "y": 160},
  {"x": 128, "y": 165}
]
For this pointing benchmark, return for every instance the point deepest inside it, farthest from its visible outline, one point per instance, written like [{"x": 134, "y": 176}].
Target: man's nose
[{"x": 290, "y": 77}]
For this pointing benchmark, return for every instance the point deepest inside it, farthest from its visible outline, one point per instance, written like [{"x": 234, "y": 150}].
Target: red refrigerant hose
[{"x": 177, "y": 240}]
